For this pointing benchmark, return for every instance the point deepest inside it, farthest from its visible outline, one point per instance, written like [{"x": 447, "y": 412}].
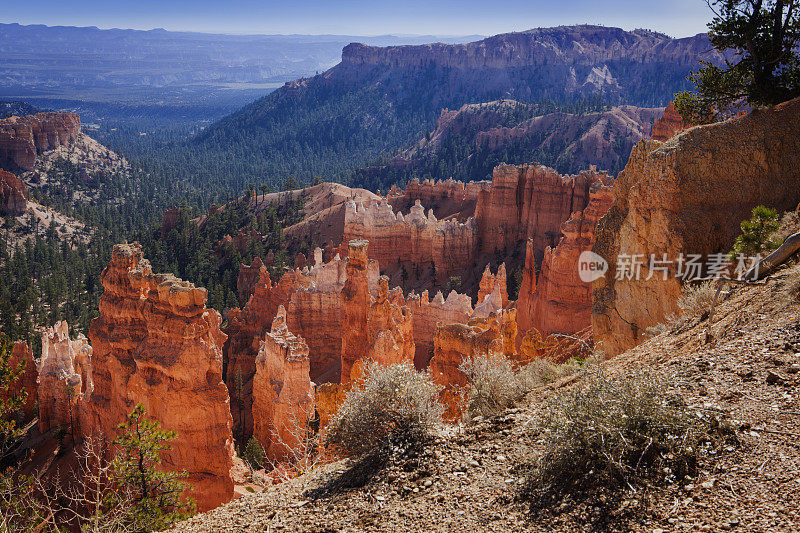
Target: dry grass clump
[
  {"x": 609, "y": 434},
  {"x": 395, "y": 407},
  {"x": 696, "y": 300},
  {"x": 541, "y": 371},
  {"x": 494, "y": 385}
]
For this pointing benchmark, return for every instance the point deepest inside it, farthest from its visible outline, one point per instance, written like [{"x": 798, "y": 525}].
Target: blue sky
[{"x": 361, "y": 17}]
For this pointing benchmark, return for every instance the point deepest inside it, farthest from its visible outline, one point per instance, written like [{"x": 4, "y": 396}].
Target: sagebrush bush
[
  {"x": 395, "y": 406},
  {"x": 696, "y": 300},
  {"x": 613, "y": 433},
  {"x": 493, "y": 385}
]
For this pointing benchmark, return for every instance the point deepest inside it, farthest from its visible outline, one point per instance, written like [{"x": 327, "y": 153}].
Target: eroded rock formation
[
  {"x": 521, "y": 202},
  {"x": 529, "y": 202},
  {"x": 22, "y": 137},
  {"x": 491, "y": 281},
  {"x": 245, "y": 331},
  {"x": 447, "y": 198},
  {"x": 559, "y": 301},
  {"x": 13, "y": 195},
  {"x": 283, "y": 394},
  {"x": 687, "y": 196},
  {"x": 670, "y": 123},
  {"x": 157, "y": 344},
  {"x": 427, "y": 313},
  {"x": 355, "y": 303},
  {"x": 416, "y": 239},
  {"x": 65, "y": 380}
]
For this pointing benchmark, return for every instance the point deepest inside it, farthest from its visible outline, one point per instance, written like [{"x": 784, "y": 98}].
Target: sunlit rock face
[
  {"x": 156, "y": 343},
  {"x": 529, "y": 202},
  {"x": 688, "y": 195},
  {"x": 670, "y": 123},
  {"x": 283, "y": 394},
  {"x": 245, "y": 332},
  {"x": 21, "y": 138},
  {"x": 65, "y": 379}
]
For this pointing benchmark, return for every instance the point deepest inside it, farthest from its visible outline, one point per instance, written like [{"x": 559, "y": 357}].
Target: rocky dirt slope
[{"x": 470, "y": 479}]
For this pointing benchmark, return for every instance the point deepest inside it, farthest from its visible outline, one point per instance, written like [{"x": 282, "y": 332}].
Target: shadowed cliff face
[{"x": 688, "y": 196}]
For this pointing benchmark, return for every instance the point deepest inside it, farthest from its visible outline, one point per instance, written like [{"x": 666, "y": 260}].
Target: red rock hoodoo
[
  {"x": 26, "y": 383},
  {"x": 670, "y": 123},
  {"x": 283, "y": 394},
  {"x": 157, "y": 344},
  {"x": 489, "y": 336},
  {"x": 13, "y": 195},
  {"x": 560, "y": 302},
  {"x": 65, "y": 380}
]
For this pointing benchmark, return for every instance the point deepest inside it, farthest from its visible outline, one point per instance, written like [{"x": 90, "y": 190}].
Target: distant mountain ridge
[
  {"x": 576, "y": 45},
  {"x": 379, "y": 100}
]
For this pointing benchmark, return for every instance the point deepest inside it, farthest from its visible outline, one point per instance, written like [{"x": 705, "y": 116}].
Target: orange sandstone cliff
[
  {"x": 157, "y": 344},
  {"x": 21, "y": 354},
  {"x": 670, "y": 123},
  {"x": 688, "y": 195},
  {"x": 13, "y": 195}
]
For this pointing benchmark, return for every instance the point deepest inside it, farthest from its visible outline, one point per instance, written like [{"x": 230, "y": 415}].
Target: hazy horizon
[{"x": 448, "y": 18}]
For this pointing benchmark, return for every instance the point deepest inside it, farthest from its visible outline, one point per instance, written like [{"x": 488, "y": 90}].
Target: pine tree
[{"x": 157, "y": 495}]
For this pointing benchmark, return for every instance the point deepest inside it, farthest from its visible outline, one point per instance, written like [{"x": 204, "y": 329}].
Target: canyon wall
[
  {"x": 21, "y": 138},
  {"x": 688, "y": 196},
  {"x": 283, "y": 394},
  {"x": 559, "y": 301},
  {"x": 13, "y": 195},
  {"x": 156, "y": 343},
  {"x": 529, "y": 202}
]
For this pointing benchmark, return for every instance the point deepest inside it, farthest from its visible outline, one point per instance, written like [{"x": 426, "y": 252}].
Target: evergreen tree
[
  {"x": 765, "y": 70},
  {"x": 157, "y": 495}
]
